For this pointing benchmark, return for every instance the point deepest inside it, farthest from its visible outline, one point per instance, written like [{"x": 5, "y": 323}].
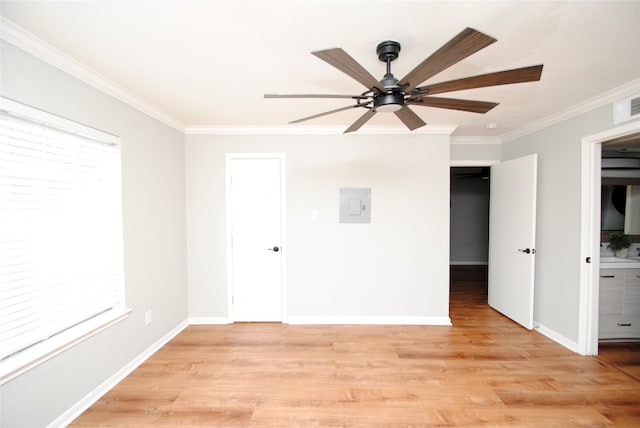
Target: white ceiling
[{"x": 210, "y": 62}]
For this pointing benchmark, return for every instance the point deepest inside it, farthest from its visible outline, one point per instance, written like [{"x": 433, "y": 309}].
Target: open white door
[
  {"x": 255, "y": 186},
  {"x": 512, "y": 232}
]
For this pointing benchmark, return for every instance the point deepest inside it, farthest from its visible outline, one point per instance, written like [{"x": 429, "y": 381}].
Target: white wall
[
  {"x": 557, "y": 271},
  {"x": 154, "y": 240},
  {"x": 397, "y": 266},
  {"x": 476, "y": 153}
]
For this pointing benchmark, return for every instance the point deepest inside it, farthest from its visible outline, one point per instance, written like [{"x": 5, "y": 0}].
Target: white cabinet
[{"x": 619, "y": 304}]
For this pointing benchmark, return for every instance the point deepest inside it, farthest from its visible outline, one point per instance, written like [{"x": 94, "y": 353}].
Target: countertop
[{"x": 620, "y": 262}]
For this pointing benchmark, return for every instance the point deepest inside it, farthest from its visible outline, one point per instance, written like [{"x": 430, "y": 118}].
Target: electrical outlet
[{"x": 147, "y": 317}]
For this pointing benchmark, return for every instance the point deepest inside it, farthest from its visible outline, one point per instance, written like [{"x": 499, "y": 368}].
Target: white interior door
[
  {"x": 256, "y": 239},
  {"x": 512, "y": 231}
]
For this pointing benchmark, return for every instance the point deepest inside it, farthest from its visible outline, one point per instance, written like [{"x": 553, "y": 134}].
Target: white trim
[
  {"x": 283, "y": 226},
  {"x": 462, "y": 140},
  {"x": 28, "y": 42},
  {"x": 15, "y": 366},
  {"x": 556, "y": 337},
  {"x": 487, "y": 162},
  {"x": 586, "y": 106},
  {"x": 209, "y": 320},
  {"x": 68, "y": 125},
  {"x": 588, "y": 311},
  {"x": 315, "y": 130},
  {"x": 77, "y": 409},
  {"x": 367, "y": 320},
  {"x": 588, "y": 301},
  {"x": 228, "y": 235},
  {"x": 283, "y": 234}
]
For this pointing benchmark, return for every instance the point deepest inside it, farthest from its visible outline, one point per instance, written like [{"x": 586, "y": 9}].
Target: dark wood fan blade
[
  {"x": 461, "y": 46},
  {"x": 328, "y": 112},
  {"x": 345, "y": 63},
  {"x": 453, "y": 104},
  {"x": 518, "y": 75},
  {"x": 358, "y": 123},
  {"x": 355, "y": 97},
  {"x": 409, "y": 118}
]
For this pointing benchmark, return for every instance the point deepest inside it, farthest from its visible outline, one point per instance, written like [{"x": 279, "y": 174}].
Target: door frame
[
  {"x": 468, "y": 163},
  {"x": 229, "y": 157},
  {"x": 591, "y": 150}
]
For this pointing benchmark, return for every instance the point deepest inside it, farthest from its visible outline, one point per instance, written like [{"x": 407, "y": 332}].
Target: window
[{"x": 61, "y": 274}]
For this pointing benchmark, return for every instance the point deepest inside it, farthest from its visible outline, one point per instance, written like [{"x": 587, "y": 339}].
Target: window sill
[{"x": 20, "y": 363}]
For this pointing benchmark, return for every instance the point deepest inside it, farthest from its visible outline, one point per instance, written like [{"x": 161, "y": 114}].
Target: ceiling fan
[{"x": 393, "y": 95}]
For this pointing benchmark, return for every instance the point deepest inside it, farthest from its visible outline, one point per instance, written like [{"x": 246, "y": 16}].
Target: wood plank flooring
[
  {"x": 483, "y": 371},
  {"x": 623, "y": 356}
]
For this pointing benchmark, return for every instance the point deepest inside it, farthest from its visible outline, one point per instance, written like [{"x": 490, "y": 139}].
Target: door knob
[{"x": 274, "y": 249}]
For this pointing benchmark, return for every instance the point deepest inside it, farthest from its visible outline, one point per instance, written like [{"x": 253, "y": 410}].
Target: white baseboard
[
  {"x": 369, "y": 320},
  {"x": 209, "y": 320},
  {"x": 556, "y": 337},
  {"x": 67, "y": 417}
]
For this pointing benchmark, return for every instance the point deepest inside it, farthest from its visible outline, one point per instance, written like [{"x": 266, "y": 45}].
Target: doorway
[
  {"x": 590, "y": 232},
  {"x": 510, "y": 236},
  {"x": 256, "y": 237},
  {"x": 469, "y": 229}
]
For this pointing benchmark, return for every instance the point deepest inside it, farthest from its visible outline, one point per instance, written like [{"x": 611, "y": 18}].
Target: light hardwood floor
[
  {"x": 623, "y": 356},
  {"x": 485, "y": 370}
]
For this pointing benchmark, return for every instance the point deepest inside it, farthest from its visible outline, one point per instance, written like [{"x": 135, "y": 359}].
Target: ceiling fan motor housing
[{"x": 388, "y": 50}]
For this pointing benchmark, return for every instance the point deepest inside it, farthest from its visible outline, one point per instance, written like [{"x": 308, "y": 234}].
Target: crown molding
[
  {"x": 28, "y": 42},
  {"x": 591, "y": 104},
  {"x": 316, "y": 130}
]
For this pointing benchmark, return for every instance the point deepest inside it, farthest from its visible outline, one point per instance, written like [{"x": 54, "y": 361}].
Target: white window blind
[{"x": 60, "y": 227}]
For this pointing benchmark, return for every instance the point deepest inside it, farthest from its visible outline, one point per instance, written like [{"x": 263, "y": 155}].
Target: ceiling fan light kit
[
  {"x": 393, "y": 95},
  {"x": 389, "y": 102}
]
